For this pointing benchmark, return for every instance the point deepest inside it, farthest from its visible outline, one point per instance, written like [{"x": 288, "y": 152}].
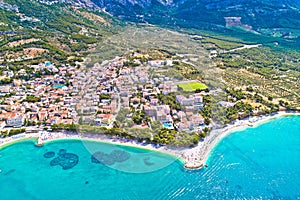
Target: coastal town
[
  {"x": 150, "y": 90},
  {"x": 193, "y": 99},
  {"x": 126, "y": 98},
  {"x": 44, "y": 95}
]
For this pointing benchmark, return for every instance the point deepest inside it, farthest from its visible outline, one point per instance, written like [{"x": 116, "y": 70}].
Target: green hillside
[{"x": 58, "y": 31}]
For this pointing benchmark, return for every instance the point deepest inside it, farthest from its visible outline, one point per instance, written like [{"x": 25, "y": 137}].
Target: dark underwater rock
[
  {"x": 120, "y": 156},
  {"x": 49, "y": 154},
  {"x": 62, "y": 151},
  {"x": 65, "y": 160},
  {"x": 147, "y": 162},
  {"x": 100, "y": 157},
  {"x": 110, "y": 159}
]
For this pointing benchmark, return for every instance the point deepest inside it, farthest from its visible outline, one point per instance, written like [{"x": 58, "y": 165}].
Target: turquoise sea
[{"x": 256, "y": 163}]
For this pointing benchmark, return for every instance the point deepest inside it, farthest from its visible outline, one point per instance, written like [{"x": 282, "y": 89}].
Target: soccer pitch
[{"x": 192, "y": 86}]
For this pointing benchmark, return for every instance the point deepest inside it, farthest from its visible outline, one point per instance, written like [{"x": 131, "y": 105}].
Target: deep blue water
[{"x": 256, "y": 163}]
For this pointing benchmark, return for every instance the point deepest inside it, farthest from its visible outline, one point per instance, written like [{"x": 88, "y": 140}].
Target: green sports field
[{"x": 192, "y": 86}]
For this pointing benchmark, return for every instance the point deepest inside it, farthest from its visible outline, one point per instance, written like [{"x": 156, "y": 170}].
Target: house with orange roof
[
  {"x": 150, "y": 110},
  {"x": 183, "y": 126},
  {"x": 4, "y": 89},
  {"x": 67, "y": 121},
  {"x": 196, "y": 122},
  {"x": 15, "y": 119},
  {"x": 42, "y": 115},
  {"x": 106, "y": 119}
]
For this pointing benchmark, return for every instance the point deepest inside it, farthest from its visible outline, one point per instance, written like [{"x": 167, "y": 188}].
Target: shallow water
[{"x": 261, "y": 162}]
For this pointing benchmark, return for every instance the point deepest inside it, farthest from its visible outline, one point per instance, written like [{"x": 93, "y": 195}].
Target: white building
[
  {"x": 2, "y": 124},
  {"x": 15, "y": 120},
  {"x": 185, "y": 101}
]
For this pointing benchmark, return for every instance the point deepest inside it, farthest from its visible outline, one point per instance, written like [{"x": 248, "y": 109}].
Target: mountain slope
[
  {"x": 33, "y": 30},
  {"x": 208, "y": 14}
]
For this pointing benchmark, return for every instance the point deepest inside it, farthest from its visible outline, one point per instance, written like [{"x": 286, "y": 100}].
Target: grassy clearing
[{"x": 192, "y": 86}]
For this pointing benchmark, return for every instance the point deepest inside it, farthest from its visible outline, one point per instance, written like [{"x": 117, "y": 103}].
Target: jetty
[{"x": 40, "y": 142}]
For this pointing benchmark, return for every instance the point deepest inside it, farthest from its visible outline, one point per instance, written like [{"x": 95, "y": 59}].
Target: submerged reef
[
  {"x": 110, "y": 159},
  {"x": 49, "y": 154},
  {"x": 64, "y": 159}
]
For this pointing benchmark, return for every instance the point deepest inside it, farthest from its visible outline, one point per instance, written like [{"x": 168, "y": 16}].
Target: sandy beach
[
  {"x": 17, "y": 138},
  {"x": 46, "y": 137},
  {"x": 193, "y": 158},
  {"x": 196, "y": 157}
]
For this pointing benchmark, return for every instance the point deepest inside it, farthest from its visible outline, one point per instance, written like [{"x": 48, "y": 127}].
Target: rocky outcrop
[{"x": 77, "y": 3}]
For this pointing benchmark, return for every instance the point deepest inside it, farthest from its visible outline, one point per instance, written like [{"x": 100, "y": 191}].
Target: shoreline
[
  {"x": 192, "y": 158},
  {"x": 204, "y": 148},
  {"x": 45, "y": 137},
  {"x": 59, "y": 136},
  {"x": 17, "y": 138}
]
